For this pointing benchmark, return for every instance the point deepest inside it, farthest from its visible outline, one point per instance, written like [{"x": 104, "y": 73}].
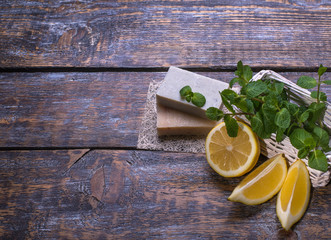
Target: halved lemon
[
  {"x": 232, "y": 157},
  {"x": 263, "y": 183},
  {"x": 293, "y": 198}
]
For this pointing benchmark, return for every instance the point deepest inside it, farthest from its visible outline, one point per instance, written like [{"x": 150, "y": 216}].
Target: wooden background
[{"x": 73, "y": 83}]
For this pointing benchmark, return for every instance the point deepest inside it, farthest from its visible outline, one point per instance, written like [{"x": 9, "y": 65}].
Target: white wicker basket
[{"x": 269, "y": 147}]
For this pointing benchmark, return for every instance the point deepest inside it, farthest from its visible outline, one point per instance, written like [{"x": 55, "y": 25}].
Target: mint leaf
[
  {"x": 229, "y": 94},
  {"x": 244, "y": 104},
  {"x": 231, "y": 125},
  {"x": 240, "y": 81},
  {"x": 240, "y": 69},
  {"x": 317, "y": 110},
  {"x": 321, "y": 70},
  {"x": 214, "y": 114},
  {"x": 307, "y": 82},
  {"x": 198, "y": 99},
  {"x": 247, "y": 73},
  {"x": 280, "y": 134},
  {"x": 322, "y": 96},
  {"x": 283, "y": 118},
  {"x": 271, "y": 103},
  {"x": 253, "y": 89},
  {"x": 304, "y": 116},
  {"x": 268, "y": 114},
  {"x": 185, "y": 91},
  {"x": 188, "y": 98},
  {"x": 227, "y": 103},
  {"x": 292, "y": 127},
  {"x": 318, "y": 160},
  {"x": 293, "y": 108},
  {"x": 321, "y": 136},
  {"x": 279, "y": 87},
  {"x": 300, "y": 138},
  {"x": 258, "y": 126},
  {"x": 303, "y": 152},
  {"x": 328, "y": 82},
  {"x": 233, "y": 81}
]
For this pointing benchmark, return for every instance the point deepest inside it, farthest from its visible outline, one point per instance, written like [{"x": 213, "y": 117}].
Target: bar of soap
[
  {"x": 168, "y": 93},
  {"x": 174, "y": 122}
]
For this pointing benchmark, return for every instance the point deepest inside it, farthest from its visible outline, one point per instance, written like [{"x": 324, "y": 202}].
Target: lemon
[
  {"x": 293, "y": 198},
  {"x": 232, "y": 157},
  {"x": 262, "y": 183}
]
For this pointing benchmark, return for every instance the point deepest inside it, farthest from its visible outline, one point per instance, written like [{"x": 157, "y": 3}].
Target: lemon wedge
[
  {"x": 293, "y": 198},
  {"x": 232, "y": 157},
  {"x": 262, "y": 183}
]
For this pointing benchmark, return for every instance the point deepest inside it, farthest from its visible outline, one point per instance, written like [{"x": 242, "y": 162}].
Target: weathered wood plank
[
  {"x": 135, "y": 195},
  {"x": 148, "y": 34},
  {"x": 79, "y": 109},
  {"x": 72, "y": 109}
]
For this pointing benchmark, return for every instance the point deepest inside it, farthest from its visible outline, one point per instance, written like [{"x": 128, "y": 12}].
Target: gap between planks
[{"x": 154, "y": 69}]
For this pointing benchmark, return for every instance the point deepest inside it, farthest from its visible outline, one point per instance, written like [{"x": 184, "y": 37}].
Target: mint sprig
[
  {"x": 266, "y": 104},
  {"x": 196, "y": 98}
]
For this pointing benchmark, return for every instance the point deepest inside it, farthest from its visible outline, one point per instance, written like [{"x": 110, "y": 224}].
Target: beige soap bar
[
  {"x": 168, "y": 94},
  {"x": 174, "y": 122}
]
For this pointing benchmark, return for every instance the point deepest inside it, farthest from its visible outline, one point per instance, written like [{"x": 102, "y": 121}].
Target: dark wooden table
[{"x": 73, "y": 83}]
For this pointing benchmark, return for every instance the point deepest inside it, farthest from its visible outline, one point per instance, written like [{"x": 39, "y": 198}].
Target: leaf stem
[
  {"x": 258, "y": 100},
  {"x": 318, "y": 89},
  {"x": 239, "y": 113}
]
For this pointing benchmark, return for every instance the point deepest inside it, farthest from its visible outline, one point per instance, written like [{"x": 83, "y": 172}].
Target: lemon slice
[
  {"x": 232, "y": 157},
  {"x": 262, "y": 183},
  {"x": 293, "y": 198}
]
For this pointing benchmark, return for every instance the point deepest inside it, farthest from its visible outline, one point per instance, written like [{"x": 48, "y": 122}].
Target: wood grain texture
[
  {"x": 135, "y": 34},
  {"x": 72, "y": 109},
  {"x": 135, "y": 195},
  {"x": 80, "y": 109}
]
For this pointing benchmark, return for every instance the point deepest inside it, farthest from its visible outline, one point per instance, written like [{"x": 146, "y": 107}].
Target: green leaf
[
  {"x": 318, "y": 160},
  {"x": 321, "y": 70},
  {"x": 322, "y": 136},
  {"x": 283, "y": 118},
  {"x": 214, "y": 114},
  {"x": 271, "y": 102},
  {"x": 250, "y": 106},
  {"x": 279, "y": 87},
  {"x": 280, "y": 134},
  {"x": 226, "y": 103},
  {"x": 268, "y": 115},
  {"x": 258, "y": 126},
  {"x": 198, "y": 99},
  {"x": 293, "y": 126},
  {"x": 229, "y": 94},
  {"x": 188, "y": 98},
  {"x": 185, "y": 91},
  {"x": 247, "y": 73},
  {"x": 244, "y": 104},
  {"x": 233, "y": 81},
  {"x": 304, "y": 116},
  {"x": 254, "y": 89},
  {"x": 231, "y": 125},
  {"x": 240, "y": 81},
  {"x": 303, "y": 152},
  {"x": 293, "y": 108},
  {"x": 240, "y": 69},
  {"x": 300, "y": 138},
  {"x": 317, "y": 110},
  {"x": 328, "y": 82},
  {"x": 322, "y": 96},
  {"x": 307, "y": 82}
]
